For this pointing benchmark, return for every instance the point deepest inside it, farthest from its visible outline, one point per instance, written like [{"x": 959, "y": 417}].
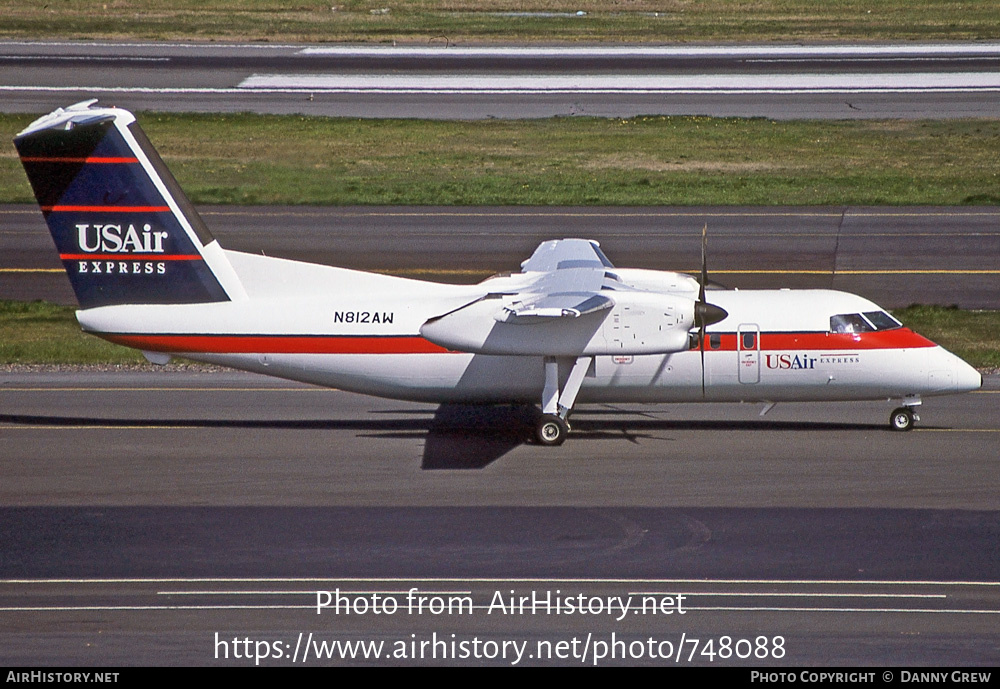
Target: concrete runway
[
  {"x": 143, "y": 513},
  {"x": 894, "y": 256},
  {"x": 782, "y": 82}
]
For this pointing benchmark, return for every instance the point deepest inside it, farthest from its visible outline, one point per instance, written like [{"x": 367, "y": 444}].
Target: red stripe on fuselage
[
  {"x": 832, "y": 343},
  {"x": 899, "y": 338},
  {"x": 278, "y": 344}
]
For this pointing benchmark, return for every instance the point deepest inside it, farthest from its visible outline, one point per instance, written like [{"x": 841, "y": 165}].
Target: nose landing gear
[{"x": 903, "y": 418}]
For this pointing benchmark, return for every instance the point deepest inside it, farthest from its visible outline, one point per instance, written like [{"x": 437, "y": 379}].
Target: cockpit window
[
  {"x": 863, "y": 323},
  {"x": 882, "y": 321},
  {"x": 849, "y": 323}
]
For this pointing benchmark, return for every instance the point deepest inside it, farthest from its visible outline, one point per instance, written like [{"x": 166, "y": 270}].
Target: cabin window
[
  {"x": 882, "y": 321},
  {"x": 863, "y": 323},
  {"x": 748, "y": 340},
  {"x": 715, "y": 340}
]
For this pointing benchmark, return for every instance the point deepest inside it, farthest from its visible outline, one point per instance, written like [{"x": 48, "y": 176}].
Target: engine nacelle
[
  {"x": 638, "y": 323},
  {"x": 662, "y": 281}
]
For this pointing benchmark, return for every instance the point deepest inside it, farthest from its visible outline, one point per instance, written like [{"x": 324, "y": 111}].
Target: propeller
[{"x": 705, "y": 314}]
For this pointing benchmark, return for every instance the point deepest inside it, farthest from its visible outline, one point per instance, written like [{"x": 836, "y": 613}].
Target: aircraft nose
[
  {"x": 949, "y": 374},
  {"x": 966, "y": 377}
]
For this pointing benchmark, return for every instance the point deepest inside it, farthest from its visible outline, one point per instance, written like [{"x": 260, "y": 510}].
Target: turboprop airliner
[{"x": 568, "y": 327}]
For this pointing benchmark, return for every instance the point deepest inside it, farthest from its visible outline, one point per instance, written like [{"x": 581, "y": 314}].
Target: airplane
[{"x": 568, "y": 327}]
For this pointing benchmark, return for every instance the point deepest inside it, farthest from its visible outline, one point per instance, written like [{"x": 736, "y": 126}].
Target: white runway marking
[
  {"x": 116, "y": 45},
  {"x": 918, "y": 82},
  {"x": 499, "y": 84},
  {"x": 111, "y": 608},
  {"x": 929, "y": 50},
  {"x": 85, "y": 58},
  {"x": 501, "y": 580},
  {"x": 752, "y": 51},
  {"x": 692, "y": 589}
]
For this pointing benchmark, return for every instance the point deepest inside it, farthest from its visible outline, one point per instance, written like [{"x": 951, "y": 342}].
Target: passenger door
[{"x": 748, "y": 353}]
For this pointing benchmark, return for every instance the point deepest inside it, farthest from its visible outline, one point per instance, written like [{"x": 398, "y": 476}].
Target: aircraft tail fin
[{"x": 125, "y": 231}]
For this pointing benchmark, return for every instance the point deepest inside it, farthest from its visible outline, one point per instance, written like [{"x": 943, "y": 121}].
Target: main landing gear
[
  {"x": 551, "y": 430},
  {"x": 903, "y": 418},
  {"x": 552, "y": 427}
]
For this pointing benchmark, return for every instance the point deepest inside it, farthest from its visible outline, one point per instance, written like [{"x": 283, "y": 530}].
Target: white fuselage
[{"x": 361, "y": 332}]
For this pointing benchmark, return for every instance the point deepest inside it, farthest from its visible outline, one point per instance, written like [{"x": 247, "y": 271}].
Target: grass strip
[
  {"x": 460, "y": 21},
  {"x": 972, "y": 335},
  {"x": 38, "y": 332},
  {"x": 270, "y": 159},
  {"x": 42, "y": 333}
]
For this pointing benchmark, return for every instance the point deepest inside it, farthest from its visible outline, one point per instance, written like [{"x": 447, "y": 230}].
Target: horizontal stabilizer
[{"x": 560, "y": 254}]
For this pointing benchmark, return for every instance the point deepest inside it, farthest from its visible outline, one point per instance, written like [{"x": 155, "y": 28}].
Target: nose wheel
[{"x": 902, "y": 419}]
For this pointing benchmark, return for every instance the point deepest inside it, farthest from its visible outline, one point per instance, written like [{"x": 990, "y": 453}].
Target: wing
[
  {"x": 527, "y": 310},
  {"x": 572, "y": 275},
  {"x": 561, "y": 293},
  {"x": 560, "y": 305}
]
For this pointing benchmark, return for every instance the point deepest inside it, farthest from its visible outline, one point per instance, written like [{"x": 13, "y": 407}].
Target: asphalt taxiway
[{"x": 143, "y": 513}]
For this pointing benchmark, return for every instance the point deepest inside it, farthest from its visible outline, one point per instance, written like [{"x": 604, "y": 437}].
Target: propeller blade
[
  {"x": 705, "y": 314},
  {"x": 700, "y": 310},
  {"x": 704, "y": 263},
  {"x": 701, "y": 348}
]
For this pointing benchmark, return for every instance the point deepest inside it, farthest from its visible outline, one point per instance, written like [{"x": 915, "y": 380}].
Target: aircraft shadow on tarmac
[
  {"x": 473, "y": 437},
  {"x": 460, "y": 437}
]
